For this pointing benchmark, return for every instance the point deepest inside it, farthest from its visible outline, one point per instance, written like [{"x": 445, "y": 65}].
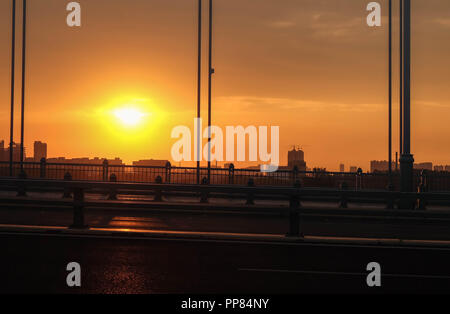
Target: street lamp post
[
  {"x": 210, "y": 73},
  {"x": 401, "y": 78},
  {"x": 13, "y": 66},
  {"x": 406, "y": 159},
  {"x": 390, "y": 95},
  {"x": 199, "y": 86},
  {"x": 22, "y": 125}
]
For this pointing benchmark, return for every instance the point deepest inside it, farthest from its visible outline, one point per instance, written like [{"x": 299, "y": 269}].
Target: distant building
[
  {"x": 424, "y": 166},
  {"x": 40, "y": 151},
  {"x": 85, "y": 160},
  {"x": 353, "y": 169},
  {"x": 296, "y": 158},
  {"x": 2, "y": 151},
  {"x": 380, "y": 166},
  {"x": 150, "y": 163},
  {"x": 342, "y": 168},
  {"x": 115, "y": 162},
  {"x": 58, "y": 160},
  {"x": 442, "y": 168}
]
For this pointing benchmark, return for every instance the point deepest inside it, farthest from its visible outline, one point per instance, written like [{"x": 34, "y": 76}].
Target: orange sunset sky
[{"x": 312, "y": 67}]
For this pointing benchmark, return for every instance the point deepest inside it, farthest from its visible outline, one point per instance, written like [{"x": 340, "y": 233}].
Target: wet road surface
[{"x": 37, "y": 264}]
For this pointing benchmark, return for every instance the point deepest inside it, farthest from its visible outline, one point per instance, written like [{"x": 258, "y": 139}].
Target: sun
[{"x": 129, "y": 116}]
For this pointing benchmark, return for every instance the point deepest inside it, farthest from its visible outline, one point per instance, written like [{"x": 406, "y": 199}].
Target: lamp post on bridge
[
  {"x": 199, "y": 86},
  {"x": 406, "y": 159},
  {"x": 390, "y": 186},
  {"x": 22, "y": 119},
  {"x": 13, "y": 67},
  {"x": 210, "y": 73}
]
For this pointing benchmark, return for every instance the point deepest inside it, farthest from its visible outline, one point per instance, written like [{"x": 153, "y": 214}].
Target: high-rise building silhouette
[
  {"x": 40, "y": 151},
  {"x": 296, "y": 158}
]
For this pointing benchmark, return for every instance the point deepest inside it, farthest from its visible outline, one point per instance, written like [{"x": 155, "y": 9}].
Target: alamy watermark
[
  {"x": 374, "y": 277},
  {"x": 73, "y": 279},
  {"x": 234, "y": 142},
  {"x": 74, "y": 17}
]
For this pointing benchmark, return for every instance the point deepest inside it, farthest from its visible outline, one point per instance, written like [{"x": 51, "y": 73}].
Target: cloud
[
  {"x": 324, "y": 25},
  {"x": 265, "y": 104},
  {"x": 334, "y": 26},
  {"x": 282, "y": 24},
  {"x": 431, "y": 104},
  {"x": 445, "y": 22}
]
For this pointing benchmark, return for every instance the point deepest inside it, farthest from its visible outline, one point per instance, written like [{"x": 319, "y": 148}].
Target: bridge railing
[
  {"x": 219, "y": 176},
  {"x": 295, "y": 195}
]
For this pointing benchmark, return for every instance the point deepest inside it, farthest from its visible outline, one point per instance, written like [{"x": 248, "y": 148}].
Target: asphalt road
[
  {"x": 230, "y": 222},
  {"x": 37, "y": 264}
]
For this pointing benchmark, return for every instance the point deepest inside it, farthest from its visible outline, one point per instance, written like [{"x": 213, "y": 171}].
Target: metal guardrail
[
  {"x": 219, "y": 176},
  {"x": 251, "y": 192}
]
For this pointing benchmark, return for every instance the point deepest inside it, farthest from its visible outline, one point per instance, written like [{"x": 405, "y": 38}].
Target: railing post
[
  {"x": 294, "y": 212},
  {"x": 390, "y": 200},
  {"x": 422, "y": 188},
  {"x": 105, "y": 170},
  {"x": 298, "y": 185},
  {"x": 21, "y": 188},
  {"x": 344, "y": 200},
  {"x": 359, "y": 179},
  {"x": 43, "y": 168},
  {"x": 158, "y": 192},
  {"x": 294, "y": 174},
  {"x": 168, "y": 171},
  {"x": 67, "y": 192},
  {"x": 112, "y": 191},
  {"x": 250, "y": 196},
  {"x": 204, "y": 194},
  {"x": 231, "y": 174},
  {"x": 78, "y": 210}
]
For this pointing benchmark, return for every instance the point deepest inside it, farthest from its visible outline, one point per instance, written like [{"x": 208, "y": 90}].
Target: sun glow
[
  {"x": 129, "y": 116},
  {"x": 129, "y": 124}
]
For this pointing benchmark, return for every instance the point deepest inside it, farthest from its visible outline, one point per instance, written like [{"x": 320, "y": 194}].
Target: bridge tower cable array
[{"x": 13, "y": 69}]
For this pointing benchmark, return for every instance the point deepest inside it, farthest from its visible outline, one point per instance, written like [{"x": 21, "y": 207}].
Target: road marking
[
  {"x": 313, "y": 272},
  {"x": 255, "y": 239}
]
